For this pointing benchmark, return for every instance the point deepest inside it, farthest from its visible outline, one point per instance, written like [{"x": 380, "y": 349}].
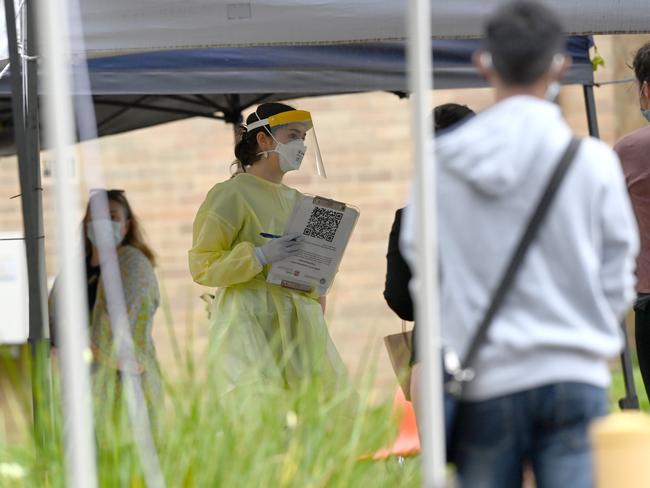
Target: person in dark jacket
[{"x": 398, "y": 274}]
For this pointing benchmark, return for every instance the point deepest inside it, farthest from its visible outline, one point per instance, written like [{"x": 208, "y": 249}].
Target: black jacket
[{"x": 398, "y": 275}]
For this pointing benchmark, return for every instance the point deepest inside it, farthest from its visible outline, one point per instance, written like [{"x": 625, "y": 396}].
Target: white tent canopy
[
  {"x": 126, "y": 26},
  {"x": 122, "y": 26}
]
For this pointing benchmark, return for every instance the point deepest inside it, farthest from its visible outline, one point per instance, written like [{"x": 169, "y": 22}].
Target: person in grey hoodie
[{"x": 542, "y": 373}]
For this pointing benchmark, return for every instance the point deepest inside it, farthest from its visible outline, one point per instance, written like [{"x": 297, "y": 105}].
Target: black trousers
[{"x": 642, "y": 336}]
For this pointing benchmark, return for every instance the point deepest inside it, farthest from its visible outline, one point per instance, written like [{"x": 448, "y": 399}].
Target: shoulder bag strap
[{"x": 464, "y": 373}]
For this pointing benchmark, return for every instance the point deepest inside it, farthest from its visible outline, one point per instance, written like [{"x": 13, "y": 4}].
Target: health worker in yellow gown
[{"x": 261, "y": 332}]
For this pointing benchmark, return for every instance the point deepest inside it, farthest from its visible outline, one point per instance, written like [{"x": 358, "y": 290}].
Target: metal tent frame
[
  {"x": 25, "y": 114},
  {"x": 26, "y": 118}
]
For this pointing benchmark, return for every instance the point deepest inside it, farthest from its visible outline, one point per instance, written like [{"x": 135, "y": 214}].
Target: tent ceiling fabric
[
  {"x": 124, "y": 113},
  {"x": 330, "y": 69},
  {"x": 299, "y": 69},
  {"x": 123, "y": 26},
  {"x": 140, "y": 90}
]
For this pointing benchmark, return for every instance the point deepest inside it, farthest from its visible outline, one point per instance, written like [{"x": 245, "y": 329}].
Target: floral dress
[{"x": 142, "y": 298}]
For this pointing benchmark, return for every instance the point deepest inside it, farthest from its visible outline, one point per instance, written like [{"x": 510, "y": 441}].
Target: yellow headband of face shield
[{"x": 292, "y": 116}]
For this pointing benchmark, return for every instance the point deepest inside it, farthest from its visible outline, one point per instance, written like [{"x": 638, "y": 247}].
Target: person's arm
[
  {"x": 214, "y": 260},
  {"x": 323, "y": 302},
  {"x": 141, "y": 300},
  {"x": 620, "y": 243},
  {"x": 398, "y": 275}
]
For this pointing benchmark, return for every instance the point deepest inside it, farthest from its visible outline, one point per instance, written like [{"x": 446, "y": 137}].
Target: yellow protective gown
[{"x": 260, "y": 331}]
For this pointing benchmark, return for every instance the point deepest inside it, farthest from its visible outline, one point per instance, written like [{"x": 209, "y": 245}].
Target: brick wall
[{"x": 364, "y": 140}]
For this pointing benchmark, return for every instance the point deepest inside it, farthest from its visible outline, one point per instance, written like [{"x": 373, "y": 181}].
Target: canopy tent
[
  {"x": 130, "y": 26},
  {"x": 123, "y": 26},
  {"x": 139, "y": 90}
]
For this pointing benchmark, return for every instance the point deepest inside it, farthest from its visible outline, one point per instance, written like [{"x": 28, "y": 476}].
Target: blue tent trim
[
  {"x": 375, "y": 56},
  {"x": 306, "y": 69}
]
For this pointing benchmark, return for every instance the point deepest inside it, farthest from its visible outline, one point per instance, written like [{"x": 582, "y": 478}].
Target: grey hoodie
[{"x": 560, "y": 321}]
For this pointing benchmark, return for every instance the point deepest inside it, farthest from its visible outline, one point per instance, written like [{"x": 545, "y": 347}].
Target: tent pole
[
  {"x": 27, "y": 150},
  {"x": 428, "y": 331},
  {"x": 590, "y": 106},
  {"x": 39, "y": 328},
  {"x": 72, "y": 312}
]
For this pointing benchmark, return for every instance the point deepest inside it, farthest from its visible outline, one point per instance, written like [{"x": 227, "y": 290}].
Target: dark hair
[
  {"x": 246, "y": 150},
  {"x": 641, "y": 63},
  {"x": 523, "y": 37},
  {"x": 449, "y": 114},
  {"x": 133, "y": 237}
]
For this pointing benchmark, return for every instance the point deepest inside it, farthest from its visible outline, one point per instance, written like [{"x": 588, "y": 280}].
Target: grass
[{"x": 257, "y": 437}]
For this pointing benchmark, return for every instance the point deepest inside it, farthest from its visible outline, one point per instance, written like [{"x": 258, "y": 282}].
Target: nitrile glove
[{"x": 278, "y": 249}]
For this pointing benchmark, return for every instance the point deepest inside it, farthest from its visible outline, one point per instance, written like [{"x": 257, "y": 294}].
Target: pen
[{"x": 269, "y": 236}]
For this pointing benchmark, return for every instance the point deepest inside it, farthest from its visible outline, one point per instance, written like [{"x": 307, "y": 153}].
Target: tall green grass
[
  {"x": 261, "y": 436},
  {"x": 254, "y": 437}
]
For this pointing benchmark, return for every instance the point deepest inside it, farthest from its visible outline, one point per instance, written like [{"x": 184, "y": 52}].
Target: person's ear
[
  {"x": 645, "y": 90},
  {"x": 264, "y": 142},
  {"x": 127, "y": 228},
  {"x": 483, "y": 62}
]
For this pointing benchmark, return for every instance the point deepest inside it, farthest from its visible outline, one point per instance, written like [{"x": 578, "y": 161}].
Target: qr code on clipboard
[{"x": 323, "y": 223}]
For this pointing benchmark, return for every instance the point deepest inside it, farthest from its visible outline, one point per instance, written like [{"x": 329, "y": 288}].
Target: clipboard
[{"x": 326, "y": 226}]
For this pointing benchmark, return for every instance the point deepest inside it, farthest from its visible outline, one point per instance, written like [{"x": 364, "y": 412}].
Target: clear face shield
[{"x": 297, "y": 145}]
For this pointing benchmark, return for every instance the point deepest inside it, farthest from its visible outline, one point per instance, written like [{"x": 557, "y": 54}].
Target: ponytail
[
  {"x": 236, "y": 168},
  {"x": 246, "y": 149}
]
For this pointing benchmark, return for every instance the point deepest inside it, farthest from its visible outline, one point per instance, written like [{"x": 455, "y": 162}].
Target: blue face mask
[{"x": 644, "y": 111}]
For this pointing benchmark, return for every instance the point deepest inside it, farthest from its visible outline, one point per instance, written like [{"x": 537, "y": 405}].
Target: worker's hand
[{"x": 279, "y": 249}]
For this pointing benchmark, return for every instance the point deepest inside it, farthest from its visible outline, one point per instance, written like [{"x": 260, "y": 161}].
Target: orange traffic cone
[{"x": 408, "y": 441}]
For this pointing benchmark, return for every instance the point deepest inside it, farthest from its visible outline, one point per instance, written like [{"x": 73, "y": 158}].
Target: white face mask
[
  {"x": 553, "y": 89},
  {"x": 109, "y": 231},
  {"x": 291, "y": 154}
]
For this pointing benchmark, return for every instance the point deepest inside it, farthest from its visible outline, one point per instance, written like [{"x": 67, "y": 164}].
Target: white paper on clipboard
[{"x": 326, "y": 226}]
